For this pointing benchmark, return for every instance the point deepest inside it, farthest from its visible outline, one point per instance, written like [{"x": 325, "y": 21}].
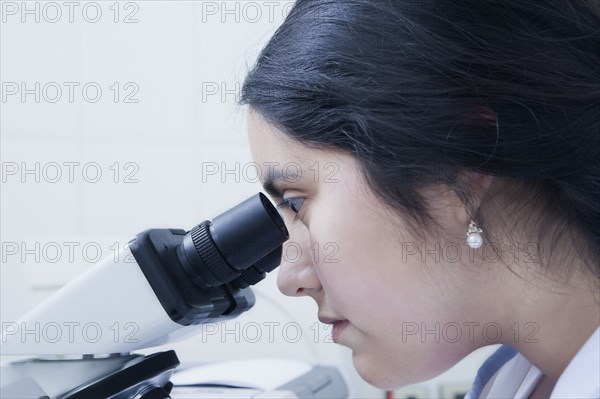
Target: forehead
[
  {"x": 274, "y": 150},
  {"x": 269, "y": 144}
]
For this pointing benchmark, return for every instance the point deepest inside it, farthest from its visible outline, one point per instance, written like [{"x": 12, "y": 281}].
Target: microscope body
[
  {"x": 112, "y": 308},
  {"x": 163, "y": 288}
]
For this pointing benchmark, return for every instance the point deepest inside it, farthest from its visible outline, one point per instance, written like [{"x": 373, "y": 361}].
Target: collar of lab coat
[
  {"x": 508, "y": 374},
  {"x": 581, "y": 378}
]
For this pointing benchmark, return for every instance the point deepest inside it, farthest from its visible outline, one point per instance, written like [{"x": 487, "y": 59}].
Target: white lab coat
[{"x": 508, "y": 374}]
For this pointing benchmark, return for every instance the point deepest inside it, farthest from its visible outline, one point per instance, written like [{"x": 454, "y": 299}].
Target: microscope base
[{"x": 115, "y": 377}]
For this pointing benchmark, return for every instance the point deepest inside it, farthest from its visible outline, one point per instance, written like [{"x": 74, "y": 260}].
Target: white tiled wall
[{"x": 158, "y": 145}]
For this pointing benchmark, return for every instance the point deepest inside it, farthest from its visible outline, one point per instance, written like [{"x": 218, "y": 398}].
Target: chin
[
  {"x": 390, "y": 375},
  {"x": 377, "y": 375}
]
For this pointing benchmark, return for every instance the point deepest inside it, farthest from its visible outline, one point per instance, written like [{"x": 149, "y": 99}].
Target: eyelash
[{"x": 291, "y": 203}]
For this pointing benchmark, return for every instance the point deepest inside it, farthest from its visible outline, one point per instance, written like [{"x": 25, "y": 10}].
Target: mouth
[
  {"x": 338, "y": 326},
  {"x": 337, "y": 329}
]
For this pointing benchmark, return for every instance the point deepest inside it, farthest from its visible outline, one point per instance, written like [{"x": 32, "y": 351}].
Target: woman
[{"x": 440, "y": 162}]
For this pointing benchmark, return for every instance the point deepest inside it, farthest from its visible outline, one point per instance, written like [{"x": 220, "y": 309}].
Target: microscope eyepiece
[
  {"x": 203, "y": 274},
  {"x": 243, "y": 242}
]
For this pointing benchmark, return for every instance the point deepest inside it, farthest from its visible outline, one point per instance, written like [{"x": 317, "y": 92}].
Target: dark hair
[{"x": 422, "y": 91}]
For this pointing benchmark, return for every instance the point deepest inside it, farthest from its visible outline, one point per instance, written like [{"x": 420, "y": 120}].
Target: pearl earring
[{"x": 474, "y": 239}]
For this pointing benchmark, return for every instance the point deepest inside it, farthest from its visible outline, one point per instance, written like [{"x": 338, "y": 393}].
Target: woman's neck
[{"x": 563, "y": 318}]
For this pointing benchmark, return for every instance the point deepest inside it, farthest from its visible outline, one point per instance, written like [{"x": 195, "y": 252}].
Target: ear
[
  {"x": 453, "y": 209},
  {"x": 477, "y": 185}
]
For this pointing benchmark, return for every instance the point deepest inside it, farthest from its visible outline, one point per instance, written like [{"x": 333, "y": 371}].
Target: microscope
[{"x": 163, "y": 288}]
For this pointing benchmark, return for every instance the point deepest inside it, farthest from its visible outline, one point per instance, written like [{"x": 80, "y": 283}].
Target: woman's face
[{"x": 358, "y": 263}]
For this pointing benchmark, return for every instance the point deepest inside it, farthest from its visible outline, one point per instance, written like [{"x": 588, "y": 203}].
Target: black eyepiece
[{"x": 244, "y": 241}]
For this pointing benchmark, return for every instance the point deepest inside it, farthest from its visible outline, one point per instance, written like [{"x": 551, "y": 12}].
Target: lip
[
  {"x": 338, "y": 328},
  {"x": 328, "y": 320},
  {"x": 338, "y": 325}
]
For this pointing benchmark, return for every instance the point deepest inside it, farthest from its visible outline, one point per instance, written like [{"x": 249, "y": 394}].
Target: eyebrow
[{"x": 273, "y": 177}]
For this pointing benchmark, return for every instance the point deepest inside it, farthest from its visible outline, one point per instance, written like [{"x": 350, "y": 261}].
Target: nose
[{"x": 297, "y": 275}]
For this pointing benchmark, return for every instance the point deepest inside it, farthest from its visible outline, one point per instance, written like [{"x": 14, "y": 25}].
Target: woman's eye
[{"x": 294, "y": 203}]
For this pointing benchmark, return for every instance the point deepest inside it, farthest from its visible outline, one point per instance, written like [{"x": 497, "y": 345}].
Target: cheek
[
  {"x": 359, "y": 263},
  {"x": 380, "y": 290}
]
